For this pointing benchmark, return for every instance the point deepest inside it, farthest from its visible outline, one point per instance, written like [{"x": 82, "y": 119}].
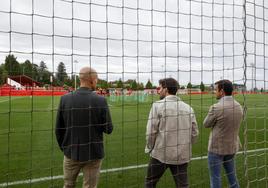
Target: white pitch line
[
  {"x": 11, "y": 99},
  {"x": 29, "y": 181}
]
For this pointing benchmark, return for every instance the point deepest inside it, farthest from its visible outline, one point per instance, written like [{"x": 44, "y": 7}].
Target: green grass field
[{"x": 28, "y": 149}]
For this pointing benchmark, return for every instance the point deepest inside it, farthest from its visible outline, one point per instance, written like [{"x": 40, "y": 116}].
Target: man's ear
[
  {"x": 166, "y": 91},
  {"x": 93, "y": 81},
  {"x": 222, "y": 91}
]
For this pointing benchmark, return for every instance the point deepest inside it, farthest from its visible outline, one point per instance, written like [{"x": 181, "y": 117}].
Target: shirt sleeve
[
  {"x": 195, "y": 131},
  {"x": 106, "y": 116},
  {"x": 210, "y": 120},
  {"x": 152, "y": 129},
  {"x": 60, "y": 126}
]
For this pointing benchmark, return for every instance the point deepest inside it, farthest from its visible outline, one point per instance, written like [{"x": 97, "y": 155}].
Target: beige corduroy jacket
[
  {"x": 171, "y": 130},
  {"x": 224, "y": 119}
]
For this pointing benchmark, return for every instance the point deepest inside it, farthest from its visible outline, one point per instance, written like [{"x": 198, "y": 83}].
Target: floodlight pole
[{"x": 51, "y": 79}]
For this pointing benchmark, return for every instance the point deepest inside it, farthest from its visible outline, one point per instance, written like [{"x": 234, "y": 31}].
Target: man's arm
[
  {"x": 60, "y": 127},
  {"x": 106, "y": 116},
  {"x": 210, "y": 120},
  {"x": 195, "y": 131},
  {"x": 152, "y": 129}
]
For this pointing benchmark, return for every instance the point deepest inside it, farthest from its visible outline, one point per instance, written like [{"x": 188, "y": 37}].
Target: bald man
[{"x": 83, "y": 117}]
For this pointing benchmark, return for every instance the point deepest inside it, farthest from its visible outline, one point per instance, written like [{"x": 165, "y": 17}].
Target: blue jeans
[{"x": 214, "y": 163}]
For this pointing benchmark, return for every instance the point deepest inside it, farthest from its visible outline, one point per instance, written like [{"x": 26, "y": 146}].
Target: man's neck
[
  {"x": 225, "y": 96},
  {"x": 86, "y": 86},
  {"x": 167, "y": 94}
]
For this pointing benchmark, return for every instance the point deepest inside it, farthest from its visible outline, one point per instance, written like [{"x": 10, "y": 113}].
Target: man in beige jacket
[
  {"x": 171, "y": 130},
  {"x": 224, "y": 119}
]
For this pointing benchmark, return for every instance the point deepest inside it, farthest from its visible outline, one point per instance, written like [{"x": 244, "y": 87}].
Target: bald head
[{"x": 88, "y": 77}]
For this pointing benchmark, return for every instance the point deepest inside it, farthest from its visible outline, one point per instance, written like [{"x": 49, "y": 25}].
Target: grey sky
[{"x": 142, "y": 44}]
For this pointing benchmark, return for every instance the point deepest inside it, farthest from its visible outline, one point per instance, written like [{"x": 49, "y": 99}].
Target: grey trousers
[{"x": 91, "y": 171}]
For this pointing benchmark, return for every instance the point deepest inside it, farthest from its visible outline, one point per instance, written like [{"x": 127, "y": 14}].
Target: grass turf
[{"x": 28, "y": 148}]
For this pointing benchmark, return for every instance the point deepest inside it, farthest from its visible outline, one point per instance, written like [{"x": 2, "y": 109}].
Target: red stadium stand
[{"x": 30, "y": 88}]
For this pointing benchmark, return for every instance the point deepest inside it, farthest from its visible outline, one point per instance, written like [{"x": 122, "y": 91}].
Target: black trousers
[{"x": 156, "y": 169}]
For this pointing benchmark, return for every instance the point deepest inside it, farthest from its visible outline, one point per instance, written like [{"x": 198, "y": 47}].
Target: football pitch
[{"x": 29, "y": 152}]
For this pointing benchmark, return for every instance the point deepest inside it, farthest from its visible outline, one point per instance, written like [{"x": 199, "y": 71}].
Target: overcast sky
[{"x": 146, "y": 39}]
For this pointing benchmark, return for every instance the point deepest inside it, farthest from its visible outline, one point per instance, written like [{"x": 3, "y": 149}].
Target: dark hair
[
  {"x": 226, "y": 85},
  {"x": 171, "y": 84}
]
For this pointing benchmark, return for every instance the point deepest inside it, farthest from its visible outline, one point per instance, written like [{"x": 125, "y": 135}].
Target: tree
[
  {"x": 189, "y": 85},
  {"x": 134, "y": 85},
  {"x": 102, "y": 84},
  {"x": 128, "y": 84},
  {"x": 140, "y": 86},
  {"x": 149, "y": 85},
  {"x": 29, "y": 69},
  {"x": 35, "y": 71},
  {"x": 73, "y": 81},
  {"x": 61, "y": 74},
  {"x": 3, "y": 74},
  {"x": 119, "y": 83},
  {"x": 110, "y": 85},
  {"x": 44, "y": 74},
  {"x": 68, "y": 82},
  {"x": 26, "y": 68},
  {"x": 42, "y": 66},
  {"x": 202, "y": 86},
  {"x": 12, "y": 66}
]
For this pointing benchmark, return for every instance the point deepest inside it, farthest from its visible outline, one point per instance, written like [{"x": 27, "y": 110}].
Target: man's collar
[
  {"x": 84, "y": 89},
  {"x": 226, "y": 98},
  {"x": 172, "y": 97}
]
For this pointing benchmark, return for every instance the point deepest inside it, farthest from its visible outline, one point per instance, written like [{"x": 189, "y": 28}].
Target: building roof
[{"x": 25, "y": 80}]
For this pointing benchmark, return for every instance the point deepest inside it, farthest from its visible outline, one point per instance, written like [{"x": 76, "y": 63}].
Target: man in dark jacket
[{"x": 82, "y": 118}]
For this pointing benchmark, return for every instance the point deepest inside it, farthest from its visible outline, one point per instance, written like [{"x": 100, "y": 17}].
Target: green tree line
[{"x": 41, "y": 74}]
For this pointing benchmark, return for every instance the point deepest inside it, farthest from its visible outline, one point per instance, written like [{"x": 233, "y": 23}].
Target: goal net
[{"x": 132, "y": 45}]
